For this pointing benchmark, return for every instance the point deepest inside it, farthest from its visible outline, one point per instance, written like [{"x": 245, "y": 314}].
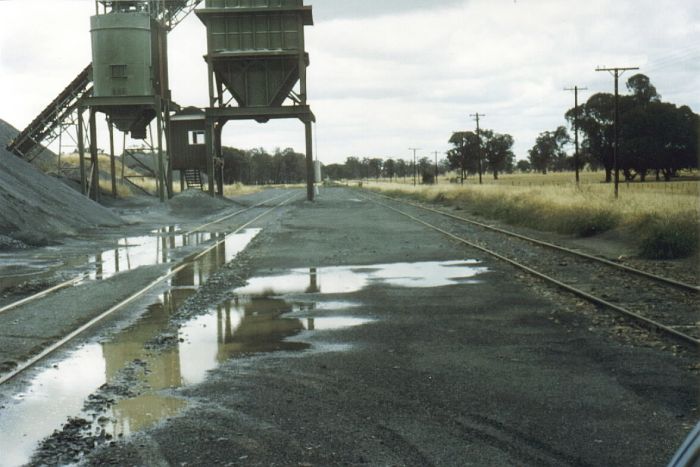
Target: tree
[
  {"x": 401, "y": 169},
  {"x": 390, "y": 169},
  {"x": 659, "y": 136},
  {"x": 465, "y": 152},
  {"x": 548, "y": 151},
  {"x": 374, "y": 167},
  {"x": 498, "y": 152},
  {"x": 643, "y": 92},
  {"x": 523, "y": 166},
  {"x": 596, "y": 119},
  {"x": 353, "y": 168}
]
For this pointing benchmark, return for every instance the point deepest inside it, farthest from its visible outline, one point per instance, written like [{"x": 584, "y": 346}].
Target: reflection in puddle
[
  {"x": 134, "y": 252},
  {"x": 349, "y": 279},
  {"x": 58, "y": 393},
  {"x": 257, "y": 320},
  {"x": 160, "y": 247}
]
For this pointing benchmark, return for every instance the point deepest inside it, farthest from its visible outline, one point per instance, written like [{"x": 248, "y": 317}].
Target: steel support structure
[
  {"x": 217, "y": 117},
  {"x": 159, "y": 106}
]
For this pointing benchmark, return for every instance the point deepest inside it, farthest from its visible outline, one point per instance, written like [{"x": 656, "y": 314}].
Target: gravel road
[{"x": 345, "y": 334}]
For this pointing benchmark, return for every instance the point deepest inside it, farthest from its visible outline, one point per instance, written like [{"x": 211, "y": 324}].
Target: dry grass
[{"x": 665, "y": 222}]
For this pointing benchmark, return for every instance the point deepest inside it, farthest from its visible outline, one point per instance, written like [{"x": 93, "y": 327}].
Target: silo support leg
[
  {"x": 112, "y": 160},
  {"x": 309, "y": 162},
  {"x": 161, "y": 165},
  {"x": 209, "y": 141},
  {"x": 95, "y": 183},
  {"x": 219, "y": 166},
  {"x": 168, "y": 145},
  {"x": 81, "y": 151}
]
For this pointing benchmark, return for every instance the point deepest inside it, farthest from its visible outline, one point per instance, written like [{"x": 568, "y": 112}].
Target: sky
[{"x": 389, "y": 75}]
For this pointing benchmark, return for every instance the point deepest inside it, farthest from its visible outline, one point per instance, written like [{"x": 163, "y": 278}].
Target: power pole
[
  {"x": 436, "y": 167},
  {"x": 617, "y": 72},
  {"x": 414, "y": 163},
  {"x": 576, "y": 89},
  {"x": 478, "y": 138}
]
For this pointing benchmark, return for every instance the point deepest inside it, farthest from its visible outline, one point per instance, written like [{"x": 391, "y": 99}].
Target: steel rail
[
  {"x": 578, "y": 292},
  {"x": 639, "y": 272},
  {"x": 22, "y": 367},
  {"x": 78, "y": 279}
]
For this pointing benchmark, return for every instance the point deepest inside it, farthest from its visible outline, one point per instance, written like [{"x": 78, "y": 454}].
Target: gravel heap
[
  {"x": 196, "y": 202},
  {"x": 36, "y": 208}
]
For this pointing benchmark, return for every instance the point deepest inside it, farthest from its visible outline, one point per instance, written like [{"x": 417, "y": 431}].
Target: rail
[{"x": 636, "y": 317}]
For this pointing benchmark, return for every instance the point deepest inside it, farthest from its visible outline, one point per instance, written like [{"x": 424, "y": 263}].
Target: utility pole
[
  {"x": 576, "y": 89},
  {"x": 478, "y": 138},
  {"x": 436, "y": 167},
  {"x": 617, "y": 72},
  {"x": 414, "y": 163}
]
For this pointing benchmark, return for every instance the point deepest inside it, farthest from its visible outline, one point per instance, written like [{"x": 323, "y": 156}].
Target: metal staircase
[
  {"x": 61, "y": 112},
  {"x": 193, "y": 178}
]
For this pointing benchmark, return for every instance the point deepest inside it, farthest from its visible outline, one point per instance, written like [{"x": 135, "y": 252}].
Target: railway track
[
  {"x": 81, "y": 277},
  {"x": 658, "y": 303},
  {"x": 175, "y": 269}
]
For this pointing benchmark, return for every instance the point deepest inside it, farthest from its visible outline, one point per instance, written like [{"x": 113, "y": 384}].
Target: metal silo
[
  {"x": 256, "y": 56},
  {"x": 130, "y": 73}
]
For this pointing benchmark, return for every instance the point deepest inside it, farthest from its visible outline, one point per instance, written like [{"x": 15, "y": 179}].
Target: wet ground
[{"x": 338, "y": 333}]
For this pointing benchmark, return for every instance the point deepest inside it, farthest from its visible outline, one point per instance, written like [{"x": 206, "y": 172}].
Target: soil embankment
[{"x": 36, "y": 208}]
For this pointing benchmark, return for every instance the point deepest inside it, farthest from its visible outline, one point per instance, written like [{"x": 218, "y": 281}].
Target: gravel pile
[
  {"x": 35, "y": 208},
  {"x": 196, "y": 202}
]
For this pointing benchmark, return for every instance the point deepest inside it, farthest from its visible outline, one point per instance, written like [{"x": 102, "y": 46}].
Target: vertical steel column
[
  {"x": 219, "y": 171},
  {"x": 168, "y": 145},
  {"x": 309, "y": 161},
  {"x": 161, "y": 167},
  {"x": 112, "y": 160},
  {"x": 95, "y": 183},
  {"x": 81, "y": 150},
  {"x": 209, "y": 142}
]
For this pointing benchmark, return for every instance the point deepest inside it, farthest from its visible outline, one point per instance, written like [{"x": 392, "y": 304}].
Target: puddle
[
  {"x": 159, "y": 247},
  {"x": 256, "y": 321},
  {"x": 134, "y": 252},
  {"x": 349, "y": 279},
  {"x": 57, "y": 393}
]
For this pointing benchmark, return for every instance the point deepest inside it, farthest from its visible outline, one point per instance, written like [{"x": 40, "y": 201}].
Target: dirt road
[{"x": 344, "y": 334}]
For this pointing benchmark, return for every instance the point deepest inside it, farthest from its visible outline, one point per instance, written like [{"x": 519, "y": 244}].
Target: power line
[
  {"x": 476, "y": 117},
  {"x": 414, "y": 163},
  {"x": 617, "y": 72},
  {"x": 576, "y": 89}
]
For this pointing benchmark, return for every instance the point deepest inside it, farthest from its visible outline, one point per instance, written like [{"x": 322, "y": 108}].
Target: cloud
[{"x": 386, "y": 75}]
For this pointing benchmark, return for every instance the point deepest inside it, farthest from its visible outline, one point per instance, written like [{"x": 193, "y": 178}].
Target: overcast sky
[{"x": 387, "y": 75}]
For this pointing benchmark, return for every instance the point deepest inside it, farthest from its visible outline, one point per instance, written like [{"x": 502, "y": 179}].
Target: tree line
[
  {"x": 258, "y": 167},
  {"x": 356, "y": 168},
  {"x": 654, "y": 137}
]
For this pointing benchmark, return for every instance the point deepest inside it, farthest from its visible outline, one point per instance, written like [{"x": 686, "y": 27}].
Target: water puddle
[
  {"x": 133, "y": 252},
  {"x": 59, "y": 392},
  {"x": 350, "y": 279},
  {"x": 160, "y": 246},
  {"x": 146, "y": 361}
]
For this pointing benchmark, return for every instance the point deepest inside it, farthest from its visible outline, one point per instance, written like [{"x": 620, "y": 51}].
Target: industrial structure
[{"x": 256, "y": 57}]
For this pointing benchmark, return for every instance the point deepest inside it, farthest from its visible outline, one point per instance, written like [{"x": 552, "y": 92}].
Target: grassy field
[
  {"x": 661, "y": 218},
  {"x": 70, "y": 164}
]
